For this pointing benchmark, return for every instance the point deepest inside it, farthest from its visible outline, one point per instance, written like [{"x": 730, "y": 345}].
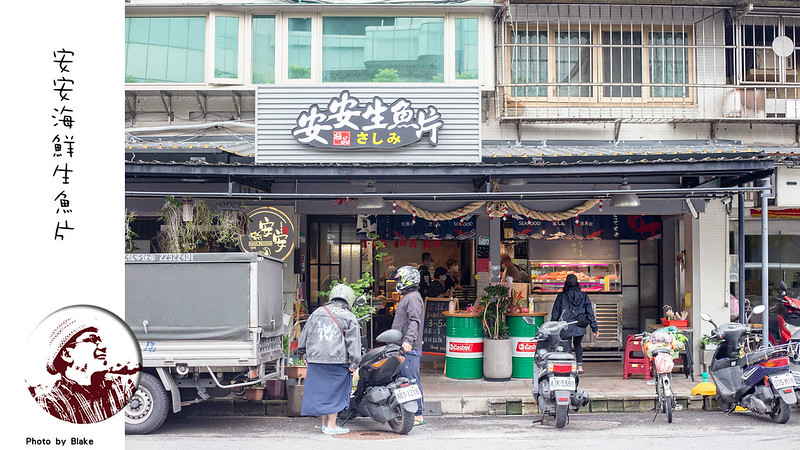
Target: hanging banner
[
  {"x": 589, "y": 227},
  {"x": 403, "y": 227},
  {"x": 269, "y": 232}
]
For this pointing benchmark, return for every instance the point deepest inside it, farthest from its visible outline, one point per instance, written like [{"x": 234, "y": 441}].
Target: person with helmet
[
  {"x": 408, "y": 318},
  {"x": 331, "y": 342}
]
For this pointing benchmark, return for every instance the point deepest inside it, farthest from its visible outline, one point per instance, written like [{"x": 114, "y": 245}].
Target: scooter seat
[
  {"x": 372, "y": 355},
  {"x": 559, "y": 356}
]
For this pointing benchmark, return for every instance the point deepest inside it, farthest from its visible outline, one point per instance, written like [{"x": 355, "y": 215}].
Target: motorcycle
[
  {"x": 759, "y": 381},
  {"x": 555, "y": 373},
  {"x": 380, "y": 394},
  {"x": 782, "y": 326}
]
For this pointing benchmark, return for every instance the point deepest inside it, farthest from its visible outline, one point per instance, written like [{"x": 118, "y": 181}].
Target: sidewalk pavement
[{"x": 602, "y": 381}]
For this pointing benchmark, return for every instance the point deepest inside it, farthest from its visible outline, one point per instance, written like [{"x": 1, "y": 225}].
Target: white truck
[{"x": 207, "y": 324}]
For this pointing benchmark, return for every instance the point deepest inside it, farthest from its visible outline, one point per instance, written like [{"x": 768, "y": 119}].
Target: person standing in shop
[
  {"x": 572, "y": 304},
  {"x": 408, "y": 318},
  {"x": 511, "y": 270},
  {"x": 425, "y": 274},
  {"x": 453, "y": 280},
  {"x": 437, "y": 283}
]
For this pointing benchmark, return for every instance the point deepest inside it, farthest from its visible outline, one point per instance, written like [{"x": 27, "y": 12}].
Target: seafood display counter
[{"x": 600, "y": 279}]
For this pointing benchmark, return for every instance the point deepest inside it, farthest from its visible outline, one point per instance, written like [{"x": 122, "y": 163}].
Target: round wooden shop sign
[{"x": 270, "y": 232}]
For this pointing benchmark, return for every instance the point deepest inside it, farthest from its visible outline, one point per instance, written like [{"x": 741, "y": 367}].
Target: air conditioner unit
[
  {"x": 787, "y": 187},
  {"x": 768, "y": 60}
]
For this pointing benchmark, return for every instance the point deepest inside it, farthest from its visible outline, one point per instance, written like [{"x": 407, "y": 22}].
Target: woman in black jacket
[{"x": 570, "y": 303}]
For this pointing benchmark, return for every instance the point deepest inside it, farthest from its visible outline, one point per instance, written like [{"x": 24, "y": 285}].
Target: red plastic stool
[{"x": 635, "y": 360}]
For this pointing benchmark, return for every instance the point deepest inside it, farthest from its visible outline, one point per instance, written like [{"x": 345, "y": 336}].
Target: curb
[{"x": 457, "y": 406}]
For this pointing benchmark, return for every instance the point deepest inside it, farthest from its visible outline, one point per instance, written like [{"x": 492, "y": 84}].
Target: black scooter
[
  {"x": 758, "y": 380},
  {"x": 380, "y": 394},
  {"x": 555, "y": 373}
]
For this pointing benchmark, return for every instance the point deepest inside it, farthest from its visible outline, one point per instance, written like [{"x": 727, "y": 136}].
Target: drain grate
[{"x": 368, "y": 435}]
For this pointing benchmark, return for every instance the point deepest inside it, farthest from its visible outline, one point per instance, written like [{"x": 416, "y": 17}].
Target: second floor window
[
  {"x": 164, "y": 49},
  {"x": 596, "y": 65},
  {"x": 383, "y": 49}
]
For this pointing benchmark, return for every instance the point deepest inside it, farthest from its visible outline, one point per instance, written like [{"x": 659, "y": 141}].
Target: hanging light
[
  {"x": 624, "y": 199},
  {"x": 369, "y": 202}
]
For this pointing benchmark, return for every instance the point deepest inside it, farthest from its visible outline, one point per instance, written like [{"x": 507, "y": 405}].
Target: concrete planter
[{"x": 497, "y": 359}]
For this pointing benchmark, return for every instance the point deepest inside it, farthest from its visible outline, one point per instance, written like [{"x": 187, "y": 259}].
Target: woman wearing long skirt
[{"x": 331, "y": 341}]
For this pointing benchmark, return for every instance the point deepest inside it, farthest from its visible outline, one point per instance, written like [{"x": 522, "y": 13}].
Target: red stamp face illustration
[
  {"x": 341, "y": 138},
  {"x": 83, "y": 364}
]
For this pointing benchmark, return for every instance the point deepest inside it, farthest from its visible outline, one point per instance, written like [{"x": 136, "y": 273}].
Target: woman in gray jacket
[{"x": 331, "y": 341}]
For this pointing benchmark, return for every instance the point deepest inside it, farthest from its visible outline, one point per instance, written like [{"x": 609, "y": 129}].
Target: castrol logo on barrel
[
  {"x": 523, "y": 347},
  {"x": 464, "y": 348},
  {"x": 526, "y": 347}
]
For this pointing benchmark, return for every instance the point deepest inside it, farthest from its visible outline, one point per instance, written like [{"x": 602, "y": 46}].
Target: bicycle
[{"x": 662, "y": 347}]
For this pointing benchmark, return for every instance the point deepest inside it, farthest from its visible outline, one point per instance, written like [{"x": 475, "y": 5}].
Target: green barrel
[
  {"x": 523, "y": 344},
  {"x": 464, "y": 347}
]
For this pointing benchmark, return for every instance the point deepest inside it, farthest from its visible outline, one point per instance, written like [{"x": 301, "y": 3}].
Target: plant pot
[
  {"x": 497, "y": 359},
  {"x": 254, "y": 393},
  {"x": 296, "y": 371},
  {"x": 275, "y": 390}
]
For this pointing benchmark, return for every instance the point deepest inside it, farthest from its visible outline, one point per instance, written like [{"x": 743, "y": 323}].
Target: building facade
[{"x": 520, "y": 118}]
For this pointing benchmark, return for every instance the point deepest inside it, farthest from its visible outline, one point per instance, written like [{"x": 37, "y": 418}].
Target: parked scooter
[
  {"x": 794, "y": 362},
  {"x": 380, "y": 394},
  {"x": 759, "y": 381},
  {"x": 783, "y": 325},
  {"x": 555, "y": 373}
]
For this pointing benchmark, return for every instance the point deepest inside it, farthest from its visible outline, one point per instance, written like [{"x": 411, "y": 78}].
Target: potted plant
[
  {"x": 708, "y": 345},
  {"x": 230, "y": 226},
  {"x": 254, "y": 392},
  {"x": 496, "y": 345},
  {"x": 297, "y": 367}
]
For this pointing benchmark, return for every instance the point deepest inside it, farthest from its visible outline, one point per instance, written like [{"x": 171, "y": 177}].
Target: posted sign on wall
[
  {"x": 410, "y": 123},
  {"x": 346, "y": 122},
  {"x": 270, "y": 232}
]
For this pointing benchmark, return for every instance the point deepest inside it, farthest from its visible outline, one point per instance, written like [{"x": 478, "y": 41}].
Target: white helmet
[
  {"x": 407, "y": 279},
  {"x": 343, "y": 292}
]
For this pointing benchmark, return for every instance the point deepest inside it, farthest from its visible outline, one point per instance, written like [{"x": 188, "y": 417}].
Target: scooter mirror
[
  {"x": 705, "y": 316},
  {"x": 529, "y": 320},
  {"x": 783, "y": 287},
  {"x": 361, "y": 300},
  {"x": 759, "y": 309}
]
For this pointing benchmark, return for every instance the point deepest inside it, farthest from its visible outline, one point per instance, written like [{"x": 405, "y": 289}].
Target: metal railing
[{"x": 633, "y": 63}]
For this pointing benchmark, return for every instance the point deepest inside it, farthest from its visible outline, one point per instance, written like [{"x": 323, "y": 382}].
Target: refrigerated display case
[
  {"x": 600, "y": 279},
  {"x": 593, "y": 276}
]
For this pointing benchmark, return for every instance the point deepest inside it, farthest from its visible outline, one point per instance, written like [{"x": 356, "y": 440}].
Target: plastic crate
[{"x": 676, "y": 323}]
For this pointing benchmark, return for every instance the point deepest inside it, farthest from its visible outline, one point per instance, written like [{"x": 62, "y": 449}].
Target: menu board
[{"x": 434, "y": 326}]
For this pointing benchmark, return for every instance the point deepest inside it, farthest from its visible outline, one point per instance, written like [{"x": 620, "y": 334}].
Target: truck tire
[{"x": 148, "y": 407}]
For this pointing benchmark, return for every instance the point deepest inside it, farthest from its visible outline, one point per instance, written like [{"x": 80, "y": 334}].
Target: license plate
[
  {"x": 407, "y": 394},
  {"x": 797, "y": 378},
  {"x": 562, "y": 383},
  {"x": 782, "y": 381}
]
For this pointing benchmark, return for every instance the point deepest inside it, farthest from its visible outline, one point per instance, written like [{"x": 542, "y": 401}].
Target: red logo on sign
[
  {"x": 526, "y": 346},
  {"x": 341, "y": 138},
  {"x": 466, "y": 347}
]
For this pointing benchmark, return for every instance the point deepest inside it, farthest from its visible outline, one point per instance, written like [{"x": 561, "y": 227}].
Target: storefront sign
[
  {"x": 406, "y": 227},
  {"x": 589, "y": 227},
  {"x": 346, "y": 123},
  {"x": 270, "y": 232}
]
